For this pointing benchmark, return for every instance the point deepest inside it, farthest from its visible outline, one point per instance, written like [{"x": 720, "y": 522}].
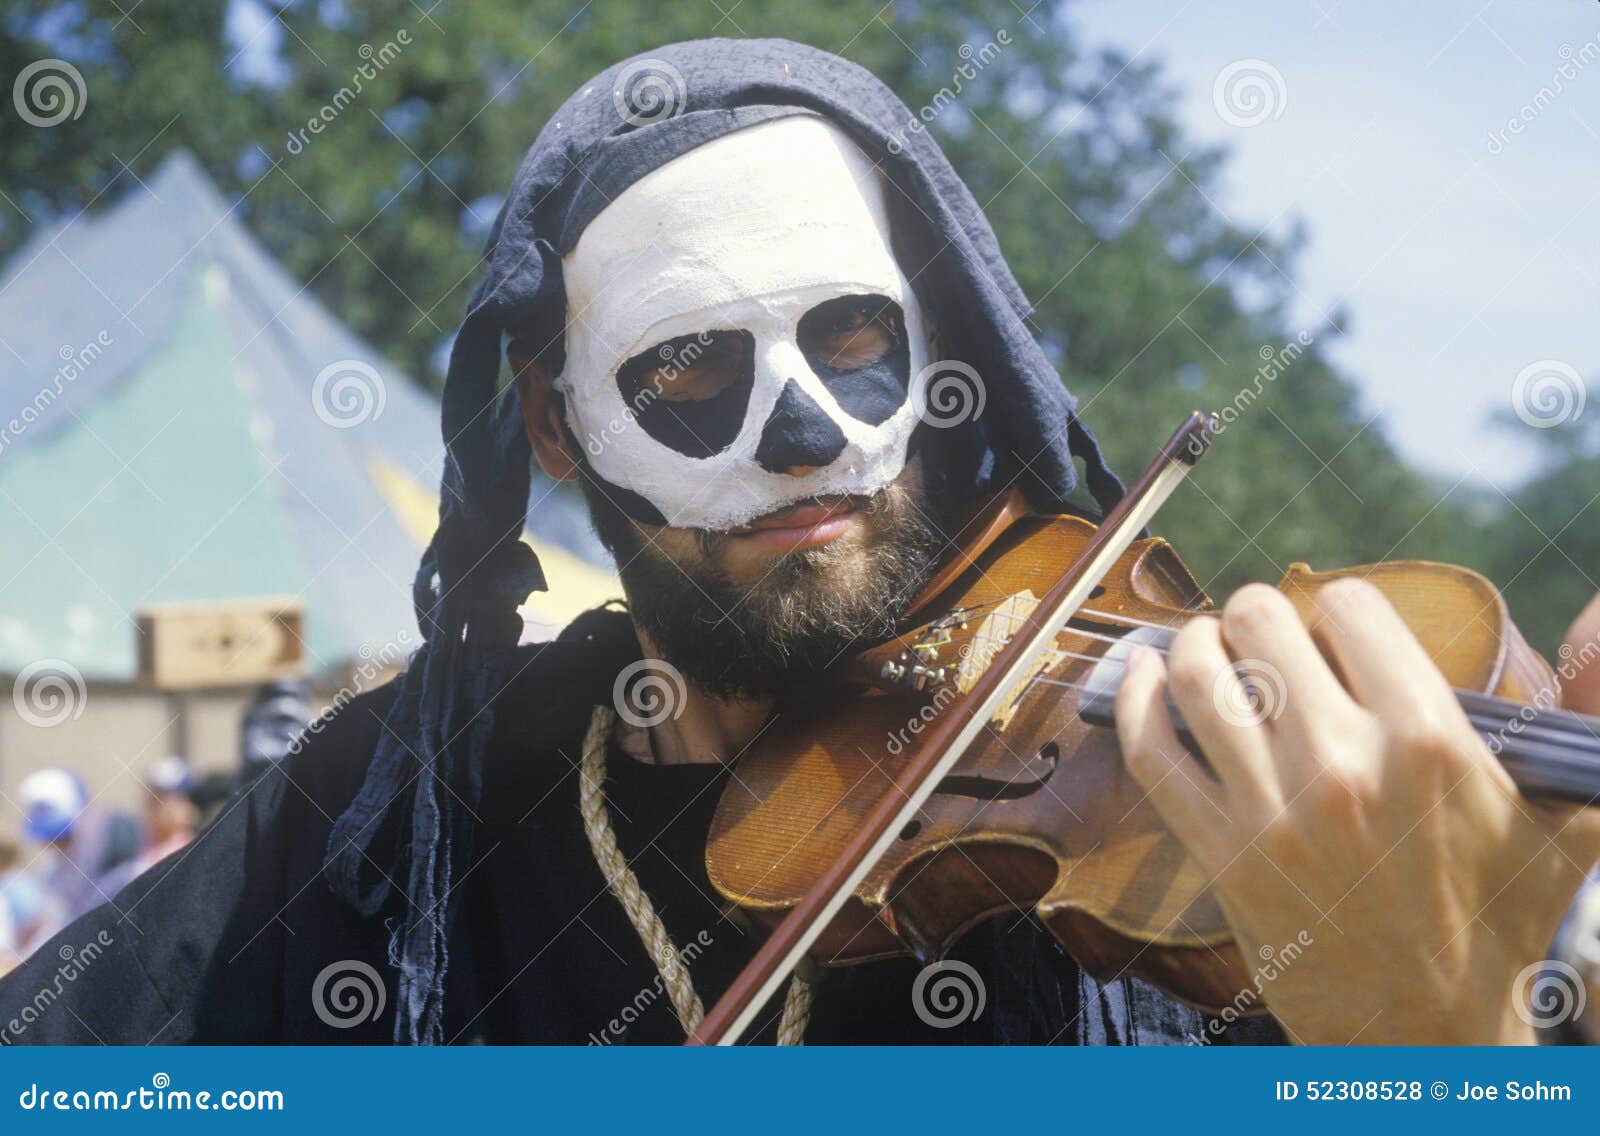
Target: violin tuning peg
[{"x": 893, "y": 672}]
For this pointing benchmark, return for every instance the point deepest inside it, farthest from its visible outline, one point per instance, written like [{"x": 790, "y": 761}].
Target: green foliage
[{"x": 1107, "y": 212}]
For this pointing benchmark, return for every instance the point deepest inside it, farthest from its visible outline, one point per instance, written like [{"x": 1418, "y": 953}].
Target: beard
[{"x": 811, "y": 608}]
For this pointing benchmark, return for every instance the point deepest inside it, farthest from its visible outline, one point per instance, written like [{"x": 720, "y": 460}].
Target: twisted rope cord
[
  {"x": 796, "y": 1012},
  {"x": 623, "y": 884}
]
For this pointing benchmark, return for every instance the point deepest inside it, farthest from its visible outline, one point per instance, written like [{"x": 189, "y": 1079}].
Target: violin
[{"x": 968, "y": 766}]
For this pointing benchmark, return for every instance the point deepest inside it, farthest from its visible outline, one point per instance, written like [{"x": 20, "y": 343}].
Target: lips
[{"x": 809, "y": 524}]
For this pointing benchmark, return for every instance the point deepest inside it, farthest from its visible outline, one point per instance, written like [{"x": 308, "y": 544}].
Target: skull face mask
[{"x": 739, "y": 336}]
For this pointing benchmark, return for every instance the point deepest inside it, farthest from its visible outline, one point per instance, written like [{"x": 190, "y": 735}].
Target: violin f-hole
[{"x": 978, "y": 787}]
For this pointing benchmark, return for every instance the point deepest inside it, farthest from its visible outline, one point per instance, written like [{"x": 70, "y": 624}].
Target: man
[
  {"x": 170, "y": 820},
  {"x": 79, "y": 843},
  {"x": 19, "y": 900},
  {"x": 722, "y": 308}
]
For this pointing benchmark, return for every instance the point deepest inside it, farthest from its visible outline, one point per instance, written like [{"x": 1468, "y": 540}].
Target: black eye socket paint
[
  {"x": 872, "y": 392},
  {"x": 696, "y": 428}
]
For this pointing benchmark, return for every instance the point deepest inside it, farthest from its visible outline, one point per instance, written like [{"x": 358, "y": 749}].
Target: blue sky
[{"x": 1458, "y": 266}]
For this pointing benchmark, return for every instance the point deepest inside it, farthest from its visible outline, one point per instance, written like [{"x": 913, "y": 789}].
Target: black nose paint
[{"x": 798, "y": 433}]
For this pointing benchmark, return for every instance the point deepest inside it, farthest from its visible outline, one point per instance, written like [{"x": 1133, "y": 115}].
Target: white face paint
[{"x": 744, "y": 237}]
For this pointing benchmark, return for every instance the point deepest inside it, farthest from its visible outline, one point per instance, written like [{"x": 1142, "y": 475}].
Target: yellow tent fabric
[{"x": 575, "y": 585}]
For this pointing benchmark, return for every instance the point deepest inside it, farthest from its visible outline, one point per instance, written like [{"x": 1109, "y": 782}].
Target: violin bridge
[
  {"x": 989, "y": 634},
  {"x": 1004, "y": 620},
  {"x": 954, "y": 651},
  {"x": 974, "y": 644}
]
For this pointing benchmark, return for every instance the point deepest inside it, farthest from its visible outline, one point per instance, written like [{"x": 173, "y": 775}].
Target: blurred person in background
[
  {"x": 25, "y": 908},
  {"x": 271, "y": 723},
  {"x": 10, "y": 938},
  {"x": 82, "y": 843},
  {"x": 13, "y": 932},
  {"x": 55, "y": 809},
  {"x": 170, "y": 820}
]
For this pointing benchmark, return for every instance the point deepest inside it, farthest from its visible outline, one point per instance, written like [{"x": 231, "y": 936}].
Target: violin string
[
  {"x": 1130, "y": 620},
  {"x": 1054, "y": 650},
  {"x": 1095, "y": 613},
  {"x": 1039, "y": 679},
  {"x": 1109, "y": 617},
  {"x": 986, "y": 637},
  {"x": 1486, "y": 725},
  {"x": 1127, "y": 620},
  {"x": 1161, "y": 649}
]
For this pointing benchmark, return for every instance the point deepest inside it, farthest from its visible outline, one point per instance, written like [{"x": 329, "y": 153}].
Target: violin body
[{"x": 1040, "y": 814}]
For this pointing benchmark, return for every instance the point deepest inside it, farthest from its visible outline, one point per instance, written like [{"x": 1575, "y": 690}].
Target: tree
[{"x": 1150, "y": 299}]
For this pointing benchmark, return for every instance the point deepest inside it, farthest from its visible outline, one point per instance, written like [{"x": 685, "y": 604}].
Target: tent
[{"x": 182, "y": 421}]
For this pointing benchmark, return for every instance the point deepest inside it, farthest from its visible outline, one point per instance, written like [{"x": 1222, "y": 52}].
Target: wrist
[{"x": 1479, "y": 1013}]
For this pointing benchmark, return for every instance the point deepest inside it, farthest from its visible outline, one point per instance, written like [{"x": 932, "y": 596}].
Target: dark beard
[{"x": 810, "y": 611}]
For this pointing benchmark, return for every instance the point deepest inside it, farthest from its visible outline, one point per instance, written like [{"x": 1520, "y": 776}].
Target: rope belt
[{"x": 623, "y": 884}]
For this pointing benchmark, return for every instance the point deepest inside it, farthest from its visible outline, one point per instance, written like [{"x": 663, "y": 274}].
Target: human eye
[
  {"x": 691, "y": 368},
  {"x": 850, "y": 332}
]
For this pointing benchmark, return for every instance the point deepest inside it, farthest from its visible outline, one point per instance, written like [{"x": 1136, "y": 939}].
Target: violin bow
[{"x": 949, "y": 738}]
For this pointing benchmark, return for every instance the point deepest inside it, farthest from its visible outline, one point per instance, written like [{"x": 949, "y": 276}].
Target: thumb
[
  {"x": 1582, "y": 650},
  {"x": 1578, "y": 829}
]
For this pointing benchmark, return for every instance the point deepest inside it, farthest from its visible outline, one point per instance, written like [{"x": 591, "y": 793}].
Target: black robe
[{"x": 224, "y": 942}]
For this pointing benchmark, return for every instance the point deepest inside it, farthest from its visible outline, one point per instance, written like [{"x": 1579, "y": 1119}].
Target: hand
[
  {"x": 1359, "y": 814},
  {"x": 1580, "y": 676}
]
